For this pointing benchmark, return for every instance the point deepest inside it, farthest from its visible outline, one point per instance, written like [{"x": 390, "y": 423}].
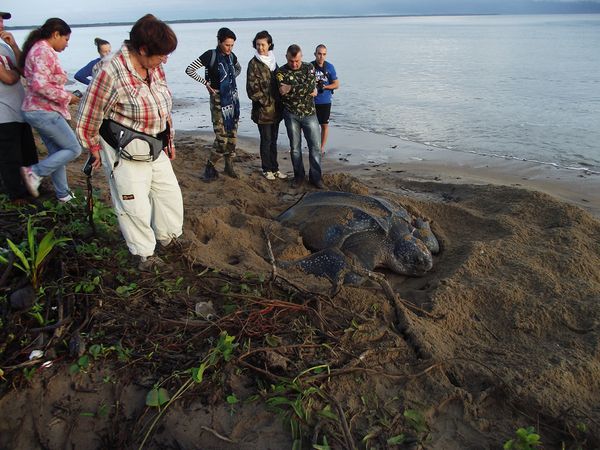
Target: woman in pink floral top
[{"x": 46, "y": 106}]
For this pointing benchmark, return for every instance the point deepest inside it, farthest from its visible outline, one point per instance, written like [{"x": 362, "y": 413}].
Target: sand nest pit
[
  {"x": 512, "y": 300},
  {"x": 503, "y": 332}
]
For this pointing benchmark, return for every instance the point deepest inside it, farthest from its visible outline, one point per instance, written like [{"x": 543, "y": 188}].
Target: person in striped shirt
[
  {"x": 221, "y": 69},
  {"x": 124, "y": 120}
]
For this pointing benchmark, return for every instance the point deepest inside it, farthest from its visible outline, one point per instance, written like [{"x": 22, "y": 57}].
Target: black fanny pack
[{"x": 119, "y": 136}]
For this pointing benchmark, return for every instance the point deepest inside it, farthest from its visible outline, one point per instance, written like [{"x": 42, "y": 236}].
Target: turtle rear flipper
[{"x": 330, "y": 263}]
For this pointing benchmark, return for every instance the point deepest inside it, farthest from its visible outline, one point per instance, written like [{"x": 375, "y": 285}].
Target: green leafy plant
[
  {"x": 82, "y": 364},
  {"x": 323, "y": 446},
  {"x": 88, "y": 286},
  {"x": 526, "y": 439},
  {"x": 396, "y": 440},
  {"x": 36, "y": 312},
  {"x": 157, "y": 397},
  {"x": 29, "y": 372},
  {"x": 169, "y": 287},
  {"x": 222, "y": 351},
  {"x": 292, "y": 401},
  {"x": 416, "y": 420},
  {"x": 232, "y": 400},
  {"x": 127, "y": 290},
  {"x": 31, "y": 259}
]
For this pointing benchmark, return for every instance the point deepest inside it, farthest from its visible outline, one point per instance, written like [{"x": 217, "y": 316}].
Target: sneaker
[
  {"x": 179, "y": 243},
  {"x": 151, "y": 263},
  {"x": 269, "y": 175},
  {"x": 280, "y": 175},
  {"x": 31, "y": 180},
  {"x": 67, "y": 198}
]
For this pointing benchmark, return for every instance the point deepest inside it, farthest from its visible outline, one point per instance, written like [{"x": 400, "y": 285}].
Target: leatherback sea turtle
[{"x": 344, "y": 229}]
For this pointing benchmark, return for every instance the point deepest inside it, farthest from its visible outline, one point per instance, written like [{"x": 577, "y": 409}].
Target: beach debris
[
  {"x": 23, "y": 298},
  {"x": 205, "y": 310},
  {"x": 36, "y": 354},
  {"x": 345, "y": 230},
  {"x": 77, "y": 345}
]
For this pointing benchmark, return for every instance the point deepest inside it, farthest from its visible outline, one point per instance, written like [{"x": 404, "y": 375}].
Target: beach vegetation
[
  {"x": 525, "y": 439},
  {"x": 32, "y": 254}
]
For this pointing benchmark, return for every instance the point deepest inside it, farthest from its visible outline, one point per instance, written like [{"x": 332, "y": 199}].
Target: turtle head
[{"x": 410, "y": 256}]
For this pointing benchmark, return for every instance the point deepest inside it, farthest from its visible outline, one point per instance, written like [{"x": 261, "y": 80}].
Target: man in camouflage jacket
[{"x": 297, "y": 86}]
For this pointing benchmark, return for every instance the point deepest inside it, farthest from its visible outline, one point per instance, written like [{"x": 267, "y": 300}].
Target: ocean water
[{"x": 522, "y": 87}]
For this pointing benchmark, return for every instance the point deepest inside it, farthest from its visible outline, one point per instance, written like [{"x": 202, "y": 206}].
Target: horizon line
[{"x": 248, "y": 19}]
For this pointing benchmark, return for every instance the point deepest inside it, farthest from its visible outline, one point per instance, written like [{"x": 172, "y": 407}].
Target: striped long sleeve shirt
[
  {"x": 119, "y": 93},
  {"x": 211, "y": 73}
]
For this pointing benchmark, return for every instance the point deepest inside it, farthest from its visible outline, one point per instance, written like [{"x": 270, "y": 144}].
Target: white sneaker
[
  {"x": 269, "y": 175},
  {"x": 280, "y": 175},
  {"x": 31, "y": 180},
  {"x": 67, "y": 198}
]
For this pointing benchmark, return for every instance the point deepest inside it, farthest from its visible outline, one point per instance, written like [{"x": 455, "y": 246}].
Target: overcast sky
[{"x": 35, "y": 12}]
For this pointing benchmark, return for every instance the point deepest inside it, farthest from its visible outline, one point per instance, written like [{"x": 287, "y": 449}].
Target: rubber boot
[
  {"x": 229, "y": 170},
  {"x": 210, "y": 173}
]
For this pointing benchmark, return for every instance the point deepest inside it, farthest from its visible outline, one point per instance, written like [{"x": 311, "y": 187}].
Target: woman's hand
[
  {"x": 210, "y": 89},
  {"x": 170, "y": 150},
  {"x": 74, "y": 100},
  {"x": 97, "y": 163}
]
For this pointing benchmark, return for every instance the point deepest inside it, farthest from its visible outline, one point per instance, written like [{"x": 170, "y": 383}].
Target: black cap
[{"x": 5, "y": 15}]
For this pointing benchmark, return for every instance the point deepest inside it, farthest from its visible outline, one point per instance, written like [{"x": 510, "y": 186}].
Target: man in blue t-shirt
[{"x": 327, "y": 81}]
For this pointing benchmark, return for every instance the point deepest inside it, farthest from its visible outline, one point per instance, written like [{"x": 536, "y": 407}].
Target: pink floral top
[{"x": 45, "y": 81}]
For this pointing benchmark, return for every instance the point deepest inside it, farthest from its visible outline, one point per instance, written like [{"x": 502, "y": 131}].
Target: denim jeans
[
  {"x": 62, "y": 144},
  {"x": 309, "y": 126}
]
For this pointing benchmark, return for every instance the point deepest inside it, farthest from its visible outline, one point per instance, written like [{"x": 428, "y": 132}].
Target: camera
[
  {"x": 320, "y": 87},
  {"x": 77, "y": 93},
  {"x": 87, "y": 168}
]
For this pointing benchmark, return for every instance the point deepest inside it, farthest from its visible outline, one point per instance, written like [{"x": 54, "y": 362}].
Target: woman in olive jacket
[{"x": 261, "y": 88}]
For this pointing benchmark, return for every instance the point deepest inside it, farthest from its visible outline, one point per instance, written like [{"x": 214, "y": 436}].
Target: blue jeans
[
  {"x": 312, "y": 133},
  {"x": 62, "y": 144}
]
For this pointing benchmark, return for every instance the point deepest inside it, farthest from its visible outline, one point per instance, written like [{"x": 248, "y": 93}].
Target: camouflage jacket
[
  {"x": 299, "y": 100},
  {"x": 261, "y": 88}
]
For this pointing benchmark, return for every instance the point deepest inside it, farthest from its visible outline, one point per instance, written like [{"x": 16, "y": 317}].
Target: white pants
[{"x": 146, "y": 197}]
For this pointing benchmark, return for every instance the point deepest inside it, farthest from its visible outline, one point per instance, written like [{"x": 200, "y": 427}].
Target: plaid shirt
[
  {"x": 119, "y": 93},
  {"x": 45, "y": 81}
]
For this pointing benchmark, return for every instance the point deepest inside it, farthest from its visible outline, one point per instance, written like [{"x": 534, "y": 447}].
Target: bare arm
[
  {"x": 10, "y": 40},
  {"x": 333, "y": 85},
  {"x": 8, "y": 74}
]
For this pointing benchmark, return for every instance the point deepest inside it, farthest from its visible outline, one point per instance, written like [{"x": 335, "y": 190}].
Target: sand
[{"x": 503, "y": 332}]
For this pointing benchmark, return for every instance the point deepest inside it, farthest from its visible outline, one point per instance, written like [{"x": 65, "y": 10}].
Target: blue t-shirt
[{"x": 325, "y": 75}]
